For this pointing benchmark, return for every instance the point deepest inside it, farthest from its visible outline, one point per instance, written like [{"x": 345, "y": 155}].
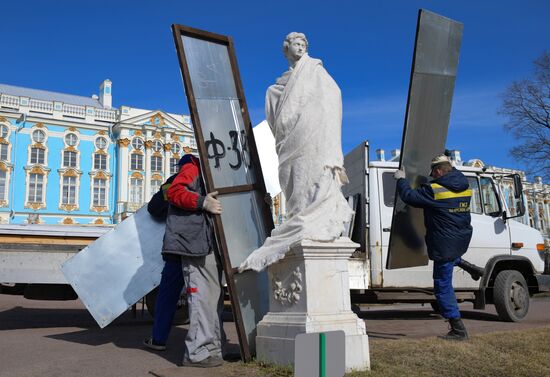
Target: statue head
[{"x": 295, "y": 46}]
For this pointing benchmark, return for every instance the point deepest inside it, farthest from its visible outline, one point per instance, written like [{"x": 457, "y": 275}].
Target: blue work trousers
[
  {"x": 171, "y": 285},
  {"x": 443, "y": 289}
]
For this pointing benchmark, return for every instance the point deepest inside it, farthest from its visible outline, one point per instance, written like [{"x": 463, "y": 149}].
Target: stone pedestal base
[{"x": 309, "y": 291}]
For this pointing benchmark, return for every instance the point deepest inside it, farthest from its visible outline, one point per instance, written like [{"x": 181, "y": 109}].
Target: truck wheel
[{"x": 511, "y": 296}]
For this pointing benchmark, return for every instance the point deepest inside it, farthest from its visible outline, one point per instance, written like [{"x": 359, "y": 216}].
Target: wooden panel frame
[{"x": 178, "y": 32}]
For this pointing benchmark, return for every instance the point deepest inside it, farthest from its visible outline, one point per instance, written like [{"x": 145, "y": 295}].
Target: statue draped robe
[{"x": 304, "y": 112}]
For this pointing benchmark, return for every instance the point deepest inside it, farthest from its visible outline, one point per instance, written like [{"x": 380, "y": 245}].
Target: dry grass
[{"x": 500, "y": 354}]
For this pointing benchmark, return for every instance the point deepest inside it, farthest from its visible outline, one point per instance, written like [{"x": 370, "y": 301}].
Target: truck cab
[{"x": 511, "y": 252}]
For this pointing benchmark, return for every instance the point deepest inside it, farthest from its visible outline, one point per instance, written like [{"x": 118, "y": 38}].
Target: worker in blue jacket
[{"x": 446, "y": 204}]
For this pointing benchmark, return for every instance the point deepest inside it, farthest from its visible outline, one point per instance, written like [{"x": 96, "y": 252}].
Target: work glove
[
  {"x": 399, "y": 174},
  {"x": 211, "y": 204}
]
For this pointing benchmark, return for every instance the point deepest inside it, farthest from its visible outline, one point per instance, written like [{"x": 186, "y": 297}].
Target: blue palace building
[{"x": 67, "y": 159}]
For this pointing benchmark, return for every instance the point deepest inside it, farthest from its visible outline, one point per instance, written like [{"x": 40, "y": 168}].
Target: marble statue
[{"x": 304, "y": 111}]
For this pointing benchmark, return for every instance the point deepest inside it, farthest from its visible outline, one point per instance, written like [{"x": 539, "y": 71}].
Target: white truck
[
  {"x": 31, "y": 256},
  {"x": 511, "y": 253}
]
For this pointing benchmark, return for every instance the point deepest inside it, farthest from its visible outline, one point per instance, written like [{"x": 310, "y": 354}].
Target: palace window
[
  {"x": 156, "y": 163},
  {"x": 101, "y": 143},
  {"x": 137, "y": 143},
  {"x": 4, "y": 130},
  {"x": 71, "y": 139},
  {"x": 38, "y": 155},
  {"x": 3, "y": 184},
  {"x": 99, "y": 191},
  {"x": 155, "y": 185},
  {"x": 176, "y": 148},
  {"x": 136, "y": 161},
  {"x": 100, "y": 161},
  {"x": 136, "y": 190},
  {"x": 38, "y": 136},
  {"x": 69, "y": 159},
  {"x": 174, "y": 165},
  {"x": 157, "y": 146},
  {"x": 4, "y": 152},
  {"x": 68, "y": 195},
  {"x": 36, "y": 186}
]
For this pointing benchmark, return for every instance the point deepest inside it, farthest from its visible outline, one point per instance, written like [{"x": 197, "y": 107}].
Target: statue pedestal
[{"x": 309, "y": 292}]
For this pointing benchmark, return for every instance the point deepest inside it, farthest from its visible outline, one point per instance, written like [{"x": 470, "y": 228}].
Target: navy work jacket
[{"x": 446, "y": 204}]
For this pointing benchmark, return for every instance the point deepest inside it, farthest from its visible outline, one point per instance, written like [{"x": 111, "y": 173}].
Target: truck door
[{"x": 491, "y": 235}]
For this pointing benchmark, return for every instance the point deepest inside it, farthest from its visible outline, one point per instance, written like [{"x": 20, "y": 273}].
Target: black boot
[
  {"x": 458, "y": 331},
  {"x": 475, "y": 271}
]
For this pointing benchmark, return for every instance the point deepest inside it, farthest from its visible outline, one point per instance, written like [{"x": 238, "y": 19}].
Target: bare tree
[{"x": 526, "y": 103}]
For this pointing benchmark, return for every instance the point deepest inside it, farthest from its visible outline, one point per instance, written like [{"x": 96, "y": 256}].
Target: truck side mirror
[
  {"x": 518, "y": 196},
  {"x": 521, "y": 207},
  {"x": 518, "y": 187}
]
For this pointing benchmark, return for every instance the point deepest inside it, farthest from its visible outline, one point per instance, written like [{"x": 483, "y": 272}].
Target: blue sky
[{"x": 367, "y": 46}]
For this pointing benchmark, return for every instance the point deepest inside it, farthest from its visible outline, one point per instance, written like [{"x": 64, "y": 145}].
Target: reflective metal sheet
[
  {"x": 119, "y": 268},
  {"x": 431, "y": 89}
]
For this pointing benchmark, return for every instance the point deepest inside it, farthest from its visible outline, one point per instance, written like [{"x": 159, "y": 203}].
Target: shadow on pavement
[{"x": 422, "y": 314}]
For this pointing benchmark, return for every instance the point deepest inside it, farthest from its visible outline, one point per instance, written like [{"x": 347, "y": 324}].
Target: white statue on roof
[{"x": 304, "y": 111}]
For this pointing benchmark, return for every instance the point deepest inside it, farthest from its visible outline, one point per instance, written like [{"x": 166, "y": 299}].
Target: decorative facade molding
[
  {"x": 289, "y": 295},
  {"x": 68, "y": 221},
  {"x": 123, "y": 142}
]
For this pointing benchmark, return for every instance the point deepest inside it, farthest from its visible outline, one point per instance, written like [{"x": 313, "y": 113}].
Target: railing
[
  {"x": 9, "y": 101},
  {"x": 47, "y": 107},
  {"x": 102, "y": 114},
  {"x": 74, "y": 110},
  {"x": 41, "y": 106}
]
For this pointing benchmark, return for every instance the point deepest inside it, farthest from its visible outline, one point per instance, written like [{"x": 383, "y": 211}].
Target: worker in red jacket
[{"x": 189, "y": 247}]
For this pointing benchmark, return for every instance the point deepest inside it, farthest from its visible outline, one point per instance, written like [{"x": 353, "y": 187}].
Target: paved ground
[{"x": 56, "y": 338}]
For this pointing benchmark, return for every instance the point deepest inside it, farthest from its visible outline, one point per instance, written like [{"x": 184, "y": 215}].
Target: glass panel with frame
[
  {"x": 491, "y": 203},
  {"x": 219, "y": 112},
  {"x": 243, "y": 211},
  {"x": 216, "y": 107}
]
